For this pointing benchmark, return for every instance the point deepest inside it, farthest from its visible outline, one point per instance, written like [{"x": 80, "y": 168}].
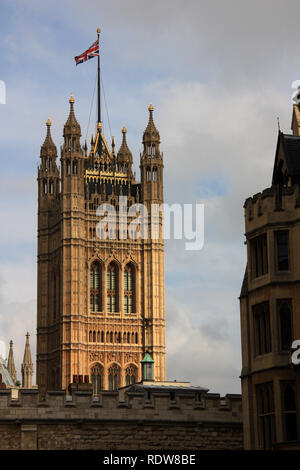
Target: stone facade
[
  {"x": 270, "y": 303},
  {"x": 113, "y": 422},
  {"x": 100, "y": 302}
]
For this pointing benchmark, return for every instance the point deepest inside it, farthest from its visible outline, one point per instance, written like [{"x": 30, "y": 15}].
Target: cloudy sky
[{"x": 219, "y": 74}]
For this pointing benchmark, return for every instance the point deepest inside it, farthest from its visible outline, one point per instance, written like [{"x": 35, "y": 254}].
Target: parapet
[
  {"x": 277, "y": 204},
  {"x": 134, "y": 404}
]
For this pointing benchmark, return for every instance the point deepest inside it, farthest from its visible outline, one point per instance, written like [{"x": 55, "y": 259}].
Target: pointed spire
[
  {"x": 71, "y": 126},
  {"x": 11, "y": 363},
  {"x": 27, "y": 365},
  {"x": 48, "y": 148},
  {"x": 113, "y": 145},
  {"x": 151, "y": 134},
  {"x": 124, "y": 155}
]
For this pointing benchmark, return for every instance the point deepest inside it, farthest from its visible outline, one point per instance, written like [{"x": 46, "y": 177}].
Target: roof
[
  {"x": 147, "y": 358},
  {"x": 288, "y": 147},
  {"x": 141, "y": 387},
  {"x": 6, "y": 377}
]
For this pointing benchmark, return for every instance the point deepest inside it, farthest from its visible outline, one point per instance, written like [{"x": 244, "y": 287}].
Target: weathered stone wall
[{"x": 111, "y": 423}]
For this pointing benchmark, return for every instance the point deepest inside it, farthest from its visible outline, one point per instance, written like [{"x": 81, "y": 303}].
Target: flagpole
[{"x": 99, "y": 100}]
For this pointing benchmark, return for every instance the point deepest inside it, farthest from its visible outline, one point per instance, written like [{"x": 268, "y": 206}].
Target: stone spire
[
  {"x": 151, "y": 134},
  {"x": 71, "y": 127},
  {"x": 48, "y": 148},
  {"x": 11, "y": 363},
  {"x": 27, "y": 365},
  {"x": 124, "y": 156}
]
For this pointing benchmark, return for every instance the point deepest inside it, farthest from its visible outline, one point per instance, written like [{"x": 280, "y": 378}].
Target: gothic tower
[{"x": 100, "y": 300}]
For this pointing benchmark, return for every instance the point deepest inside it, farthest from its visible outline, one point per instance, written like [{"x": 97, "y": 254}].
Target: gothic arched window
[
  {"x": 75, "y": 167},
  {"x": 113, "y": 377},
  {"x": 131, "y": 374},
  {"x": 97, "y": 378},
  {"x": 153, "y": 150},
  {"x": 129, "y": 289},
  {"x": 95, "y": 287},
  {"x": 148, "y": 173},
  {"x": 154, "y": 173},
  {"x": 112, "y": 288}
]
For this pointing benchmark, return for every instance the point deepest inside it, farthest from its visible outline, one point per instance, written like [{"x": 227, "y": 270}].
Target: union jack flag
[{"x": 93, "y": 51}]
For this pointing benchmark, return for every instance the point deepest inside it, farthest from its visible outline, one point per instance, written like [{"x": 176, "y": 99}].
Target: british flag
[{"x": 93, "y": 51}]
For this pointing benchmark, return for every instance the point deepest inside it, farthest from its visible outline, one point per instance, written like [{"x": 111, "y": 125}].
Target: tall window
[
  {"x": 112, "y": 288},
  {"x": 148, "y": 173},
  {"x": 265, "y": 408},
  {"x": 113, "y": 377},
  {"x": 259, "y": 256},
  {"x": 130, "y": 375},
  {"x": 262, "y": 330},
  {"x": 97, "y": 378},
  {"x": 154, "y": 173},
  {"x": 95, "y": 288},
  {"x": 285, "y": 323},
  {"x": 289, "y": 411},
  {"x": 129, "y": 289},
  {"x": 282, "y": 245}
]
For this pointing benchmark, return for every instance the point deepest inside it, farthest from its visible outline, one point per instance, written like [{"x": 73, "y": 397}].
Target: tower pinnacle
[
  {"x": 124, "y": 156},
  {"x": 27, "y": 365},
  {"x": 11, "y": 362},
  {"x": 151, "y": 134}
]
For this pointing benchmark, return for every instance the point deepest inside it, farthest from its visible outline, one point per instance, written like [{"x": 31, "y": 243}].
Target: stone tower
[
  {"x": 270, "y": 303},
  {"x": 100, "y": 301},
  {"x": 11, "y": 362},
  {"x": 27, "y": 365}
]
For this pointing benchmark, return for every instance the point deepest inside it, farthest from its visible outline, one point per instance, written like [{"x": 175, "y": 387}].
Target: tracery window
[
  {"x": 97, "y": 378},
  {"x": 95, "y": 288},
  {"x": 113, "y": 377},
  {"x": 129, "y": 289},
  {"x": 112, "y": 288},
  {"x": 130, "y": 373}
]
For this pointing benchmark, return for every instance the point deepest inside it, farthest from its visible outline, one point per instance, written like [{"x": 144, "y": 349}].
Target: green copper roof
[{"x": 147, "y": 358}]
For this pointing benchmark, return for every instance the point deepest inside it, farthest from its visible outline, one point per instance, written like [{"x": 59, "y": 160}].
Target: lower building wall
[
  {"x": 111, "y": 424},
  {"x": 121, "y": 436}
]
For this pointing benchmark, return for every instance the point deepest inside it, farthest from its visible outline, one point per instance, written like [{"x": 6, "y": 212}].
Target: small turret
[
  {"x": 151, "y": 163},
  {"x": 71, "y": 127},
  {"x": 151, "y": 137},
  {"x": 27, "y": 365},
  {"x": 48, "y": 173},
  {"x": 124, "y": 156}
]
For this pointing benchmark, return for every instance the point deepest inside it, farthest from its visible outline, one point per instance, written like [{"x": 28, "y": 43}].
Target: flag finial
[{"x": 98, "y": 30}]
